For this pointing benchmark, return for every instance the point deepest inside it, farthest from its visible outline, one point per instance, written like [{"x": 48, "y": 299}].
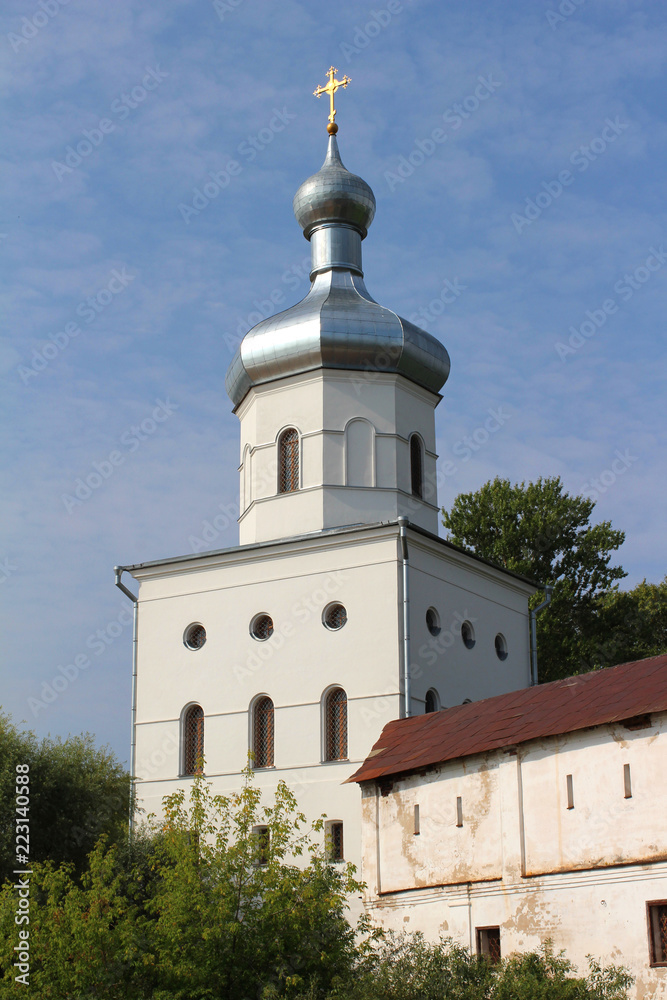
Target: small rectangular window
[
  {"x": 627, "y": 781},
  {"x": 262, "y": 836},
  {"x": 488, "y": 943},
  {"x": 657, "y": 931},
  {"x": 334, "y": 840},
  {"x": 417, "y": 830},
  {"x": 459, "y": 811},
  {"x": 570, "y": 792}
]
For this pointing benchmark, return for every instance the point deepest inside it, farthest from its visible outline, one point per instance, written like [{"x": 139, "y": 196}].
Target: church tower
[
  {"x": 341, "y": 608},
  {"x": 336, "y": 396}
]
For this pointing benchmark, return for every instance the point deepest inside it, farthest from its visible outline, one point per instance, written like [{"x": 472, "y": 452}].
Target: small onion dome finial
[{"x": 334, "y": 195}]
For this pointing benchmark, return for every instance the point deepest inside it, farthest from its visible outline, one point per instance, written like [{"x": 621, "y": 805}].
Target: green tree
[
  {"x": 632, "y": 625},
  {"x": 203, "y": 907},
  {"x": 78, "y": 792},
  {"x": 544, "y": 533},
  {"x": 410, "y": 968}
]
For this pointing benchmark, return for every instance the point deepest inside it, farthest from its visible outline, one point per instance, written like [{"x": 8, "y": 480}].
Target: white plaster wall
[
  {"x": 614, "y": 851},
  {"x": 441, "y": 851},
  {"x": 460, "y": 589},
  {"x": 320, "y": 405},
  {"x": 295, "y": 666},
  {"x": 292, "y": 581},
  {"x": 603, "y": 826}
]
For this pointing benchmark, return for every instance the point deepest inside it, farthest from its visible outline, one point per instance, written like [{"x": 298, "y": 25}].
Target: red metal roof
[{"x": 610, "y": 695}]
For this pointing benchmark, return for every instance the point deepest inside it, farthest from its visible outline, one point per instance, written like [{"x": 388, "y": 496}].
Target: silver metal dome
[
  {"x": 334, "y": 194},
  {"x": 338, "y": 324}
]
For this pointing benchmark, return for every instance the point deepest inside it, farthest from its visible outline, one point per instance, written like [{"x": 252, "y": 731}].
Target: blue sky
[{"x": 516, "y": 152}]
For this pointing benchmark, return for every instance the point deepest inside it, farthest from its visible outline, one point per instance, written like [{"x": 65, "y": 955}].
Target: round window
[
  {"x": 194, "y": 636},
  {"x": 334, "y": 616},
  {"x": 433, "y": 621},
  {"x": 261, "y": 627},
  {"x": 501, "y": 647},
  {"x": 468, "y": 635}
]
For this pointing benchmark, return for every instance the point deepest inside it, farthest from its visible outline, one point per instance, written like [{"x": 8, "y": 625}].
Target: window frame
[
  {"x": 329, "y": 841},
  {"x": 652, "y": 904},
  {"x": 500, "y": 646},
  {"x": 269, "y": 755},
  {"x": 416, "y": 470},
  {"x": 262, "y": 834},
  {"x": 193, "y": 626},
  {"x": 343, "y": 740},
  {"x": 436, "y": 701},
  {"x": 294, "y": 460},
  {"x": 479, "y": 931},
  {"x": 328, "y": 610},
  {"x": 254, "y": 626},
  {"x": 201, "y": 736},
  {"x": 470, "y": 642},
  {"x": 434, "y": 626}
]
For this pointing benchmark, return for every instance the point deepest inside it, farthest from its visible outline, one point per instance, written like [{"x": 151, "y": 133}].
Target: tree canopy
[
  {"x": 78, "y": 792},
  {"x": 540, "y": 531},
  {"x": 209, "y": 902}
]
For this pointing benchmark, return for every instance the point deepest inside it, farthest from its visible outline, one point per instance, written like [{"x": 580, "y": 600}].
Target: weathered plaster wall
[{"x": 523, "y": 861}]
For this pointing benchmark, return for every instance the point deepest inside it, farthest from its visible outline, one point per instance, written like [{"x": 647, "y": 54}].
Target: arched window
[
  {"x": 193, "y": 740},
  {"x": 431, "y": 701},
  {"x": 262, "y": 741},
  {"x": 335, "y": 723},
  {"x": 288, "y": 461},
  {"x": 416, "y": 466}
]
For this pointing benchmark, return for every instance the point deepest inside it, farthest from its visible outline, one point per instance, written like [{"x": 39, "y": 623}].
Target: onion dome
[
  {"x": 337, "y": 325},
  {"x": 334, "y": 195}
]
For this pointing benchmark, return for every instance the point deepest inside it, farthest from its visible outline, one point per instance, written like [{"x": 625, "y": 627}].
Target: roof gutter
[
  {"x": 403, "y": 536},
  {"x": 548, "y": 590},
  {"x": 118, "y": 571}
]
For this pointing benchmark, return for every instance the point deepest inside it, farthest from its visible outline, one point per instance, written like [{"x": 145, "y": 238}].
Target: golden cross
[{"x": 330, "y": 89}]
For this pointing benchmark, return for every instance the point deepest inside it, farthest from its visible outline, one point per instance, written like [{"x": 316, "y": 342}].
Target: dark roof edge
[
  {"x": 658, "y": 661},
  {"x": 326, "y": 533},
  {"x": 254, "y": 546},
  {"x": 473, "y": 555}
]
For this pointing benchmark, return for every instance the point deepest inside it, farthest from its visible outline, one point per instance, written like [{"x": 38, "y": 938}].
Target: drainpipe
[
  {"x": 119, "y": 570},
  {"x": 548, "y": 590},
  {"x": 402, "y": 531}
]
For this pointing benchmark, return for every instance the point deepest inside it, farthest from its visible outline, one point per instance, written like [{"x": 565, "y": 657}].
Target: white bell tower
[
  {"x": 336, "y": 396},
  {"x": 341, "y": 608}
]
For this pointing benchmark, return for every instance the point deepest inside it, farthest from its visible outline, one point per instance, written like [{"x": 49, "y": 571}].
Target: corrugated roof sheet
[{"x": 610, "y": 695}]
